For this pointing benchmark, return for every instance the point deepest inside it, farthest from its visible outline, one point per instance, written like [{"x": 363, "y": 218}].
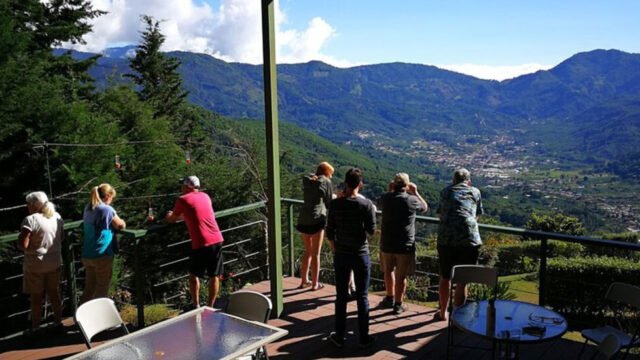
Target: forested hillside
[{"x": 405, "y": 102}]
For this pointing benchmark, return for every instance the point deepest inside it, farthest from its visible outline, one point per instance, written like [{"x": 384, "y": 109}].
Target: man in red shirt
[{"x": 196, "y": 209}]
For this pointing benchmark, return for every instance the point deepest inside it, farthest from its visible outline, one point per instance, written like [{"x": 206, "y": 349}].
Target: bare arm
[
  {"x": 118, "y": 223},
  {"x": 172, "y": 217},
  {"x": 23, "y": 239},
  {"x": 413, "y": 190}
]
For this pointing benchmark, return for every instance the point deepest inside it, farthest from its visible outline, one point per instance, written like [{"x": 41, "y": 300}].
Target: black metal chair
[
  {"x": 622, "y": 300},
  {"x": 469, "y": 274}
]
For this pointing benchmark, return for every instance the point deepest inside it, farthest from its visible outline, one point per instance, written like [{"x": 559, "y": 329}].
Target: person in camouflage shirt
[{"x": 458, "y": 236}]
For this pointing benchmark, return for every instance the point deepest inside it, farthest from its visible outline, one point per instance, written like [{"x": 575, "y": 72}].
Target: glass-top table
[
  {"x": 516, "y": 323},
  {"x": 203, "y": 333}
]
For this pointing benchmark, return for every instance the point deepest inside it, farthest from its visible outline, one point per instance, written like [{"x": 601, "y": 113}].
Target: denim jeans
[{"x": 361, "y": 267}]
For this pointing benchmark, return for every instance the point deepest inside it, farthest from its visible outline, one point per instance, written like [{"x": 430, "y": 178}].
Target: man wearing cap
[
  {"x": 196, "y": 209},
  {"x": 458, "y": 235},
  {"x": 397, "y": 240}
]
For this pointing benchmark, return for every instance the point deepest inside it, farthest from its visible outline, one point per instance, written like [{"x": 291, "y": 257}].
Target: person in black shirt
[{"x": 351, "y": 218}]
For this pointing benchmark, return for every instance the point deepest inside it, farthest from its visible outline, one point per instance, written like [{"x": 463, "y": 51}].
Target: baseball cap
[
  {"x": 401, "y": 180},
  {"x": 191, "y": 181}
]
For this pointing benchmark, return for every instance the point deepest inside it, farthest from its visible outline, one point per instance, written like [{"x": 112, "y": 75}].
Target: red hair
[{"x": 324, "y": 169}]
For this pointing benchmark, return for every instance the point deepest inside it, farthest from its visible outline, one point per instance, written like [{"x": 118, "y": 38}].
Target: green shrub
[
  {"x": 576, "y": 287},
  {"x": 483, "y": 292},
  {"x": 524, "y": 257},
  {"x": 627, "y": 237},
  {"x": 152, "y": 314}
]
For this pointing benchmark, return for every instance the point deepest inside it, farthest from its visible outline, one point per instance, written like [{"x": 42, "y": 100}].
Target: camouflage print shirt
[{"x": 458, "y": 208}]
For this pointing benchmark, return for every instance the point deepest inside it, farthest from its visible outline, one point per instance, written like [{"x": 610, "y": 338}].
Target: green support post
[
  {"x": 292, "y": 253},
  {"x": 273, "y": 154}
]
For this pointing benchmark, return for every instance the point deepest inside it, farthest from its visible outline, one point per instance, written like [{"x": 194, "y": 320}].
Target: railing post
[
  {"x": 292, "y": 268},
  {"x": 70, "y": 272},
  {"x": 542, "y": 277},
  {"x": 266, "y": 248},
  {"x": 139, "y": 276}
]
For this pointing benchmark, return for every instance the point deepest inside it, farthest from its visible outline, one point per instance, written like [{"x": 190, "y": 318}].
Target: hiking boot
[
  {"x": 398, "y": 308},
  {"x": 386, "y": 303}
]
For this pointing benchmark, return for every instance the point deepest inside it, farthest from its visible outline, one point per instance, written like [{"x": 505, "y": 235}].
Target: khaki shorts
[
  {"x": 98, "y": 274},
  {"x": 403, "y": 264},
  {"x": 38, "y": 283}
]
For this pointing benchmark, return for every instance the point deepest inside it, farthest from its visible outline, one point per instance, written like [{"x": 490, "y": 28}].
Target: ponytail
[
  {"x": 48, "y": 210},
  {"x": 38, "y": 200},
  {"x": 95, "y": 197},
  {"x": 100, "y": 192}
]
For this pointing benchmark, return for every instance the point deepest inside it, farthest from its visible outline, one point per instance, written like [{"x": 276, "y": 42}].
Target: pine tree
[
  {"x": 39, "y": 91},
  {"x": 155, "y": 73}
]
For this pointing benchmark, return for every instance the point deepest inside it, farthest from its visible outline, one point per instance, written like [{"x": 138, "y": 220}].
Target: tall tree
[
  {"x": 37, "y": 90},
  {"x": 157, "y": 74}
]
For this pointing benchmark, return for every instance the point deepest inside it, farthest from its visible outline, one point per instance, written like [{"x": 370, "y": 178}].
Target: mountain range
[{"x": 588, "y": 106}]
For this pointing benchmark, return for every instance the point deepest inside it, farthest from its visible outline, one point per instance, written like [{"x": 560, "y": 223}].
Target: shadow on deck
[{"x": 308, "y": 316}]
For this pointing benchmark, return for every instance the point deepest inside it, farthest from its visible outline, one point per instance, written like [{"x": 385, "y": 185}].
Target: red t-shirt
[{"x": 197, "y": 211}]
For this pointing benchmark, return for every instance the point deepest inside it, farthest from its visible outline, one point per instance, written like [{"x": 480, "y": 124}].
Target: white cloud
[
  {"x": 489, "y": 72},
  {"x": 231, "y": 32}
]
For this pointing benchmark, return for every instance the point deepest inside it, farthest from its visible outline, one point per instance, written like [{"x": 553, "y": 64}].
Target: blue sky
[
  {"x": 503, "y": 32},
  {"x": 494, "y": 39}
]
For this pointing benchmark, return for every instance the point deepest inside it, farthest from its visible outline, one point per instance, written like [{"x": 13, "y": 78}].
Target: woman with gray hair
[{"x": 41, "y": 235}]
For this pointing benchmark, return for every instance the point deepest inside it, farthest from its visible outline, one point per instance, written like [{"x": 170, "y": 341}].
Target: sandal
[
  {"x": 318, "y": 287},
  {"x": 306, "y": 284}
]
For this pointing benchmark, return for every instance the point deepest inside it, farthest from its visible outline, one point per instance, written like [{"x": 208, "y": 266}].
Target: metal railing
[
  {"x": 171, "y": 242},
  {"x": 137, "y": 244},
  {"x": 541, "y": 236}
]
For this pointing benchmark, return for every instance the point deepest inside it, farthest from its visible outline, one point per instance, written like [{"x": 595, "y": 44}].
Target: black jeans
[{"x": 361, "y": 266}]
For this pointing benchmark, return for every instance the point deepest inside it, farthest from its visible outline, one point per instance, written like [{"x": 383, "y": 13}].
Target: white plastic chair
[
  {"x": 96, "y": 316},
  {"x": 620, "y": 295},
  {"x": 253, "y": 306},
  {"x": 470, "y": 274}
]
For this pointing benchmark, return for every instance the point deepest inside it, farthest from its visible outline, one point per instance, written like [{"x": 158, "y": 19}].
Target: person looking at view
[
  {"x": 196, "y": 208},
  {"x": 458, "y": 235},
  {"x": 100, "y": 222},
  {"x": 317, "y": 195},
  {"x": 398, "y": 238},
  {"x": 351, "y": 218},
  {"x": 40, "y": 238}
]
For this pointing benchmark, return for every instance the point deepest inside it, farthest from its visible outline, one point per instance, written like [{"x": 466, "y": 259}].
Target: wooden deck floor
[{"x": 308, "y": 316}]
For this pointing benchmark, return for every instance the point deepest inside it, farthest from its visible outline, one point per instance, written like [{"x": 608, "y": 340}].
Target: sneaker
[
  {"x": 386, "y": 303},
  {"x": 398, "y": 308},
  {"x": 31, "y": 334},
  {"x": 367, "y": 342},
  {"x": 336, "y": 340}
]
